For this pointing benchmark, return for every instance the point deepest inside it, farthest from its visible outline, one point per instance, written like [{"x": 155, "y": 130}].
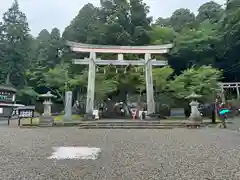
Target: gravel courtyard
[{"x": 179, "y": 154}]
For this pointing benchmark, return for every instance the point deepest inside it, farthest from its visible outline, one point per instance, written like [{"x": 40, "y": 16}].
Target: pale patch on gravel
[{"x": 61, "y": 153}]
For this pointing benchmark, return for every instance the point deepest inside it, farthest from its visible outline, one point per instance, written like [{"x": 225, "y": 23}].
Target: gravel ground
[
  {"x": 235, "y": 125},
  {"x": 179, "y": 154}
]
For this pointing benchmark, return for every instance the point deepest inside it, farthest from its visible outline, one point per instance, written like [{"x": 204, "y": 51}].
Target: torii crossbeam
[
  {"x": 92, "y": 61},
  {"x": 120, "y": 62}
]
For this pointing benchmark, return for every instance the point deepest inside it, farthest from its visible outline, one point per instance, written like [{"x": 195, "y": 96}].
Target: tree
[
  {"x": 84, "y": 26},
  {"x": 56, "y": 46},
  {"x": 210, "y": 11},
  {"x": 140, "y": 22},
  {"x": 58, "y": 80},
  {"x": 43, "y": 45},
  {"x": 162, "y": 22},
  {"x": 104, "y": 86},
  {"x": 115, "y": 15},
  {"x": 232, "y": 4},
  {"x": 46, "y": 48},
  {"x": 196, "y": 47},
  {"x": 161, "y": 78},
  {"x": 162, "y": 35},
  {"x": 229, "y": 28},
  {"x": 2, "y": 55},
  {"x": 182, "y": 18},
  {"x": 27, "y": 95},
  {"x": 203, "y": 81},
  {"x": 15, "y": 36}
]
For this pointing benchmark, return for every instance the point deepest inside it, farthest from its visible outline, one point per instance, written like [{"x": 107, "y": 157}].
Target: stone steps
[
  {"x": 133, "y": 124},
  {"x": 130, "y": 124},
  {"x": 123, "y": 127}
]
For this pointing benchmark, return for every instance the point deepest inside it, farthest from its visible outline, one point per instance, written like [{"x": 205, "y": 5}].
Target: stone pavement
[{"x": 179, "y": 154}]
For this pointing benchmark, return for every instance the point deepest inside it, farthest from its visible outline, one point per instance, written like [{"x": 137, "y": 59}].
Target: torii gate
[{"x": 92, "y": 61}]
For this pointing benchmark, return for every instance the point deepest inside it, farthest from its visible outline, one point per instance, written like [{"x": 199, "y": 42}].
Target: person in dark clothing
[
  {"x": 143, "y": 115},
  {"x": 213, "y": 114}
]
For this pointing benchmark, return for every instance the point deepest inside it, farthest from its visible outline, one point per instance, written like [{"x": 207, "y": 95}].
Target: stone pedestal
[
  {"x": 68, "y": 106},
  {"x": 46, "y": 120}
]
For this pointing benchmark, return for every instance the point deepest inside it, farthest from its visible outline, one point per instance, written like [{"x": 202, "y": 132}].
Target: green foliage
[
  {"x": 14, "y": 45},
  {"x": 84, "y": 26},
  {"x": 115, "y": 22},
  {"x": 211, "y": 38},
  {"x": 203, "y": 81},
  {"x": 162, "y": 22},
  {"x": 229, "y": 28},
  {"x": 27, "y": 91},
  {"x": 162, "y": 35},
  {"x": 57, "y": 77},
  {"x": 161, "y": 77},
  {"x": 210, "y": 11},
  {"x": 104, "y": 86},
  {"x": 27, "y": 94},
  {"x": 182, "y": 18}
]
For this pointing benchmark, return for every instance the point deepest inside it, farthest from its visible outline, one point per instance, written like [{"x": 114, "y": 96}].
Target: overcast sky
[{"x": 47, "y": 14}]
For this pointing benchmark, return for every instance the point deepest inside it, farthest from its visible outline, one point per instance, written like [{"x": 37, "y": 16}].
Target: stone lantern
[
  {"x": 46, "y": 119},
  {"x": 195, "y": 118}
]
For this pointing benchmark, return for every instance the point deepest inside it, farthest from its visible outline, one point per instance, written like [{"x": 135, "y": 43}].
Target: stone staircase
[{"x": 129, "y": 124}]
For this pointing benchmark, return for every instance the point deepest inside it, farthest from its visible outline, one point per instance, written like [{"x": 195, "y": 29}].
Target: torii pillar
[
  {"x": 91, "y": 83},
  {"x": 149, "y": 85}
]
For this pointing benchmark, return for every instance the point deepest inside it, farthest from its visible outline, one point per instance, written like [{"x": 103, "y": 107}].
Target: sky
[{"x": 47, "y": 14}]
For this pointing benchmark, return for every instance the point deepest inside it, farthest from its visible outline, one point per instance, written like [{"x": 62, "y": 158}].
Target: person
[
  {"x": 223, "y": 111},
  {"x": 96, "y": 114},
  {"x": 76, "y": 107},
  {"x": 140, "y": 114},
  {"x": 143, "y": 115},
  {"x": 213, "y": 114},
  {"x": 134, "y": 114},
  {"x": 101, "y": 109},
  {"x": 121, "y": 107}
]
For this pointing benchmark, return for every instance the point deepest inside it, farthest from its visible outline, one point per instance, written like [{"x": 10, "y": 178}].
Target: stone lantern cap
[
  {"x": 194, "y": 96},
  {"x": 47, "y": 95}
]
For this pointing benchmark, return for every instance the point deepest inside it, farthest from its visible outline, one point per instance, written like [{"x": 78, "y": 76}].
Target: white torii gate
[{"x": 92, "y": 61}]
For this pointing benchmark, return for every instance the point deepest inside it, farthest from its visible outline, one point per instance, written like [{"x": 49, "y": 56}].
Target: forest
[{"x": 206, "y": 50}]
